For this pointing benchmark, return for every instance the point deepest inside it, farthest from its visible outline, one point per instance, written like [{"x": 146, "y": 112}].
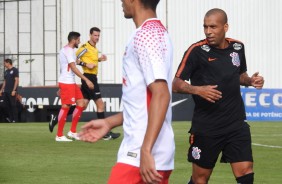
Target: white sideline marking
[
  {"x": 268, "y": 146},
  {"x": 272, "y": 135}
]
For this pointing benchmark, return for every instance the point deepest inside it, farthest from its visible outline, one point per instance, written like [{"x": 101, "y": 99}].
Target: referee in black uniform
[
  {"x": 9, "y": 89},
  {"x": 216, "y": 67}
]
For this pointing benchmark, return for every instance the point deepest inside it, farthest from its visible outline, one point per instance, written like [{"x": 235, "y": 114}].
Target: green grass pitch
[{"x": 30, "y": 155}]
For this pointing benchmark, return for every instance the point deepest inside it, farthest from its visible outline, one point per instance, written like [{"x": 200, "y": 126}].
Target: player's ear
[{"x": 226, "y": 26}]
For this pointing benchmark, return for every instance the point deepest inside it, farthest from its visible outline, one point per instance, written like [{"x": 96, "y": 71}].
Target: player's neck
[
  {"x": 71, "y": 45},
  {"x": 92, "y": 43},
  {"x": 142, "y": 15}
]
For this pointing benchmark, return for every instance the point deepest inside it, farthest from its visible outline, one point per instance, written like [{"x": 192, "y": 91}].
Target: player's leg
[
  {"x": 54, "y": 116},
  {"x": 14, "y": 109},
  {"x": 8, "y": 100},
  {"x": 97, "y": 97},
  {"x": 199, "y": 174},
  {"x": 238, "y": 152},
  {"x": 203, "y": 154},
  {"x": 100, "y": 108},
  {"x": 243, "y": 172},
  {"x": 62, "y": 119},
  {"x": 101, "y": 115},
  {"x": 67, "y": 98},
  {"x": 76, "y": 113}
]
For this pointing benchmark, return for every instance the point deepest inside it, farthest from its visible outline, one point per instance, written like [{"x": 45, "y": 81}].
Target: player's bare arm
[
  {"x": 97, "y": 129},
  {"x": 15, "y": 86},
  {"x": 255, "y": 80},
  {"x": 102, "y": 58},
  {"x": 156, "y": 115},
  {"x": 208, "y": 92},
  {"x": 79, "y": 74},
  {"x": 3, "y": 86},
  {"x": 88, "y": 65}
]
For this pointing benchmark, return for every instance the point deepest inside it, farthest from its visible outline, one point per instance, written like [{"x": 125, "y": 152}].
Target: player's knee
[{"x": 246, "y": 179}]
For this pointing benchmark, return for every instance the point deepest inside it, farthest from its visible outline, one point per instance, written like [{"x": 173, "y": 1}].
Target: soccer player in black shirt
[
  {"x": 9, "y": 89},
  {"x": 216, "y": 67}
]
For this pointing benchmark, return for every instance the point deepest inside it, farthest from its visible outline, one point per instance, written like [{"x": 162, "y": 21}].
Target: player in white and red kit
[
  {"x": 70, "y": 92},
  {"x": 146, "y": 154}
]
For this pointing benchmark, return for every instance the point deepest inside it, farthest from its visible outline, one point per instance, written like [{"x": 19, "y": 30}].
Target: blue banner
[{"x": 263, "y": 105}]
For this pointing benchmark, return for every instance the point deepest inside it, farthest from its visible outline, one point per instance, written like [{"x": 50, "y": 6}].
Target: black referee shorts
[
  {"x": 87, "y": 93},
  {"x": 235, "y": 147}
]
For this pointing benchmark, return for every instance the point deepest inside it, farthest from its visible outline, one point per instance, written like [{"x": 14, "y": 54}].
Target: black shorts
[
  {"x": 89, "y": 94},
  {"x": 235, "y": 147}
]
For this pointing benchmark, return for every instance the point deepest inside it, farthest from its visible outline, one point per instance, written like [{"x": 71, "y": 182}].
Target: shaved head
[{"x": 219, "y": 12}]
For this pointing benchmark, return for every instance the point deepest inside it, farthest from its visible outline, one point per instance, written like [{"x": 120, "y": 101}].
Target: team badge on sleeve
[
  {"x": 235, "y": 59},
  {"x": 206, "y": 48},
  {"x": 237, "y": 46},
  {"x": 196, "y": 153}
]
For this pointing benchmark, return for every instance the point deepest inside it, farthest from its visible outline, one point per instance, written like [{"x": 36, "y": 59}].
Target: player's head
[
  {"x": 129, "y": 6},
  {"x": 8, "y": 61},
  {"x": 74, "y": 38},
  {"x": 94, "y": 34},
  {"x": 215, "y": 27}
]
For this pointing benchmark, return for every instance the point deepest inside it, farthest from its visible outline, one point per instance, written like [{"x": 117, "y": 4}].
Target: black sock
[
  {"x": 246, "y": 179},
  {"x": 71, "y": 109},
  {"x": 100, "y": 115}
]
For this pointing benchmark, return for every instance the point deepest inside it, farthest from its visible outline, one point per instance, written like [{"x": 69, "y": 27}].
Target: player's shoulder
[
  {"x": 232, "y": 40},
  {"x": 236, "y": 44},
  {"x": 151, "y": 27},
  {"x": 85, "y": 45},
  {"x": 202, "y": 44}
]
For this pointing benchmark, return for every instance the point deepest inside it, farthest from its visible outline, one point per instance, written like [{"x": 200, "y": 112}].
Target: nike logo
[
  {"x": 211, "y": 59},
  {"x": 178, "y": 102}
]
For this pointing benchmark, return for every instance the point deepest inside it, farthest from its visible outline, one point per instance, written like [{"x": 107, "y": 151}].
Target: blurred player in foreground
[
  {"x": 217, "y": 67},
  {"x": 146, "y": 154},
  {"x": 70, "y": 93}
]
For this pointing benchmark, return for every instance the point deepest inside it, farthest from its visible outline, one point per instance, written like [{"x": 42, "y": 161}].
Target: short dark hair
[
  {"x": 220, "y": 11},
  {"x": 152, "y": 4},
  {"x": 8, "y": 61},
  {"x": 94, "y": 29},
  {"x": 73, "y": 36}
]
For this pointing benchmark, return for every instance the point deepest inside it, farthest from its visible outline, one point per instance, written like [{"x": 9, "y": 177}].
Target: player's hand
[
  {"x": 90, "y": 65},
  {"x": 148, "y": 170},
  {"x": 257, "y": 81},
  {"x": 13, "y": 93},
  {"x": 103, "y": 58},
  {"x": 58, "y": 92},
  {"x": 94, "y": 130},
  {"x": 90, "y": 84},
  {"x": 209, "y": 92}
]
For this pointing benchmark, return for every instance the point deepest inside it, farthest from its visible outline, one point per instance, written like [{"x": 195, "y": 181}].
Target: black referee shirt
[
  {"x": 9, "y": 76},
  {"x": 206, "y": 65}
]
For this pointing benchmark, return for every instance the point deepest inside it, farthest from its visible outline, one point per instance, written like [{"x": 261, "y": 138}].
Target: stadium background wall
[
  {"x": 33, "y": 31},
  {"x": 40, "y": 102}
]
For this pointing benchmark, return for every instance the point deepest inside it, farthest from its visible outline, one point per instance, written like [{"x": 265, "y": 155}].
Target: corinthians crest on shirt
[{"x": 235, "y": 59}]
